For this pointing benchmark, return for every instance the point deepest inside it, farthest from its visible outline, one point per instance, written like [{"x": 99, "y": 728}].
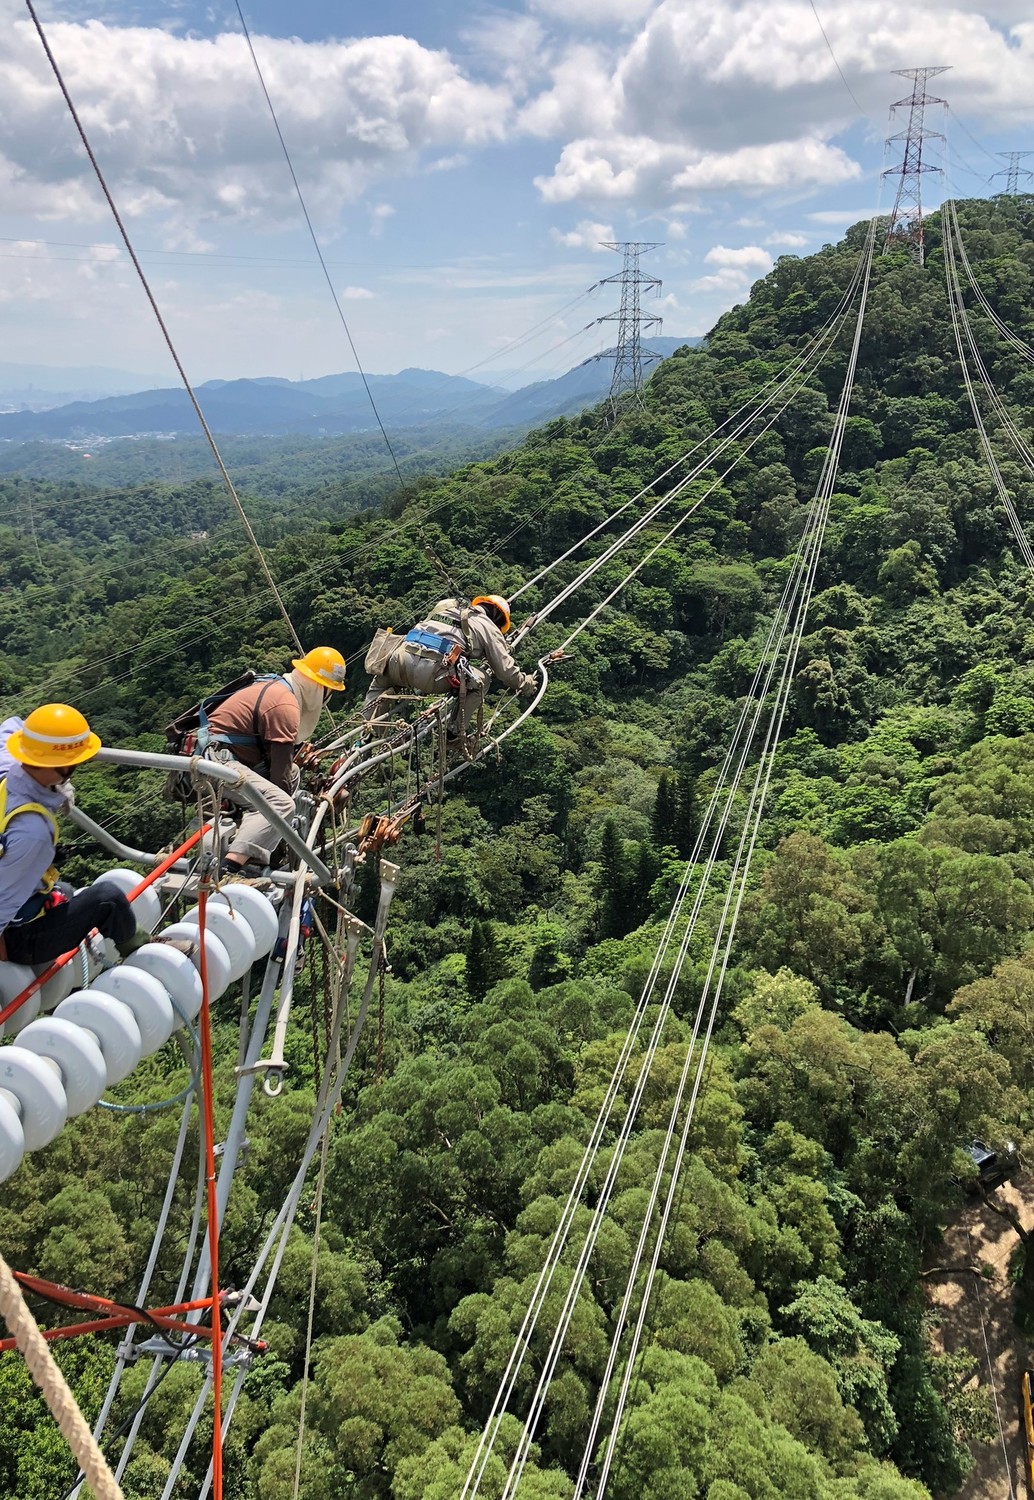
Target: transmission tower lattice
[
  {"x": 1013, "y": 172},
  {"x": 906, "y": 219},
  {"x": 628, "y": 354}
]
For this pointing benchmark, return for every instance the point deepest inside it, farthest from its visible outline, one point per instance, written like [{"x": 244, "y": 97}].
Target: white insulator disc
[
  {"x": 81, "y": 1061},
  {"x": 114, "y": 1026},
  {"x": 60, "y": 985},
  {"x": 147, "y": 998},
  {"x": 12, "y": 1137},
  {"x": 258, "y": 911},
  {"x": 174, "y": 971},
  {"x": 147, "y": 907},
  {"x": 218, "y": 960},
  {"x": 233, "y": 931},
  {"x": 41, "y": 1099},
  {"x": 13, "y": 979}
]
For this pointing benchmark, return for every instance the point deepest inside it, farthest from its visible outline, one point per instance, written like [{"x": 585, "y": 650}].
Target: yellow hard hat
[
  {"x": 323, "y": 665},
  {"x": 501, "y": 604},
  {"x": 53, "y": 735}
]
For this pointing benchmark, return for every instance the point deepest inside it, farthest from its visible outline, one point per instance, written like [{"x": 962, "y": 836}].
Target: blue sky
[{"x": 460, "y": 161}]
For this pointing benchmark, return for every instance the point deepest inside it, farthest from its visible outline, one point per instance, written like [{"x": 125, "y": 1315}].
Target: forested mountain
[
  {"x": 876, "y": 1017},
  {"x": 327, "y": 406}
]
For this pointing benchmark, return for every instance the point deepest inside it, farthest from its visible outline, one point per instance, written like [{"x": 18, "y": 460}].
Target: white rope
[{"x": 62, "y": 1404}]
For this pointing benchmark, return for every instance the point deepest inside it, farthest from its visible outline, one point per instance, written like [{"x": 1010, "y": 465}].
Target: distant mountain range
[
  {"x": 329, "y": 406},
  {"x": 40, "y": 387}
]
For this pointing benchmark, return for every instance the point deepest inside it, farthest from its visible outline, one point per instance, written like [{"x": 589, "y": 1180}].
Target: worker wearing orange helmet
[
  {"x": 257, "y": 728},
  {"x": 439, "y": 655},
  {"x": 37, "y": 922}
]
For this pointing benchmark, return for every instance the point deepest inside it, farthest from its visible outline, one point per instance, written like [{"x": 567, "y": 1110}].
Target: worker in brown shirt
[{"x": 256, "y": 730}]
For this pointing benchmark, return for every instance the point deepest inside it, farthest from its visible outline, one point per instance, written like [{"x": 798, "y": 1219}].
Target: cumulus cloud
[
  {"x": 645, "y": 170},
  {"x": 747, "y": 95},
  {"x": 585, "y": 236},
  {"x": 181, "y": 127},
  {"x": 594, "y": 12},
  {"x": 730, "y": 280},
  {"x": 357, "y": 294},
  {"x": 743, "y": 258},
  {"x": 791, "y": 238}
]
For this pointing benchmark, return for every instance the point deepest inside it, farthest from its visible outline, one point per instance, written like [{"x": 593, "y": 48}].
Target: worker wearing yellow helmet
[
  {"x": 38, "y": 921},
  {"x": 440, "y": 653},
  {"x": 257, "y": 728}
]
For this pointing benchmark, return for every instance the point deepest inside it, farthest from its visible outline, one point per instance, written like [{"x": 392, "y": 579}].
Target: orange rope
[{"x": 213, "y": 1211}]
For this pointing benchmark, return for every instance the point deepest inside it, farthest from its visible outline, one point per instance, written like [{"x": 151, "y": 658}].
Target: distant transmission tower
[
  {"x": 1013, "y": 172},
  {"x": 906, "y": 219},
  {"x": 628, "y": 354}
]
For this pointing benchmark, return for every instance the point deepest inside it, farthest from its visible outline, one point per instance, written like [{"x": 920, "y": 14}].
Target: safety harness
[
  {"x": 38, "y": 902},
  {"x": 205, "y": 737}
]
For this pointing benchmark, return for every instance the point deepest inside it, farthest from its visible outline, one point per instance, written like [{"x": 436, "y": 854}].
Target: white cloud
[
  {"x": 583, "y": 97},
  {"x": 841, "y": 216},
  {"x": 181, "y": 128},
  {"x": 594, "y": 12},
  {"x": 729, "y": 280},
  {"x": 743, "y": 258},
  {"x": 357, "y": 294},
  {"x": 587, "y": 235},
  {"x": 380, "y": 213},
  {"x": 651, "y": 172},
  {"x": 788, "y": 237},
  {"x": 743, "y": 95}
]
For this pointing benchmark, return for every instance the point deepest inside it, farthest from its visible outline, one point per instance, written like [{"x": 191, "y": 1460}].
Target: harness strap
[
  {"x": 205, "y": 737},
  {"x": 429, "y": 641},
  {"x": 36, "y": 904}
]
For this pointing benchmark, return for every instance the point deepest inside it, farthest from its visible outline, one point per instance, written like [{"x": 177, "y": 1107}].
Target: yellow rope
[{"x": 62, "y": 1404}]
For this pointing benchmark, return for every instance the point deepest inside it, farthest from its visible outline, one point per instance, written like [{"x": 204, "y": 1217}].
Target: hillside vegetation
[{"x": 877, "y": 1017}]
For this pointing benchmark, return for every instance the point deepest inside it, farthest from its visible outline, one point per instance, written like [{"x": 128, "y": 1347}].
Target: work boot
[
  {"x": 132, "y": 944},
  {"x": 187, "y": 946}
]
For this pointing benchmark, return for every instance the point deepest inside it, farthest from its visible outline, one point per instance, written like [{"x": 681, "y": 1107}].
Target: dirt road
[{"x": 974, "y": 1313}]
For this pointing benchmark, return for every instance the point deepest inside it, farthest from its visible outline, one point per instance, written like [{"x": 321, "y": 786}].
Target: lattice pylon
[
  {"x": 906, "y": 218},
  {"x": 628, "y": 354}
]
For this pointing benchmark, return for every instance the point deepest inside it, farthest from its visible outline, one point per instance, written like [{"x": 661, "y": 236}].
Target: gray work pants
[
  {"x": 255, "y": 838},
  {"x": 416, "y": 670}
]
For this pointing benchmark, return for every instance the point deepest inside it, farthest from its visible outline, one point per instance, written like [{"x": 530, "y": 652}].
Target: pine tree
[
  {"x": 478, "y": 982},
  {"x": 644, "y": 871},
  {"x": 687, "y": 823},
  {"x": 666, "y": 811},
  {"x": 613, "y": 917},
  {"x": 548, "y": 965},
  {"x": 484, "y": 961}
]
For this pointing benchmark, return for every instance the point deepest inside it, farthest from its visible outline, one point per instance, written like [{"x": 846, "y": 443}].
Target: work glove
[{"x": 528, "y": 685}]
